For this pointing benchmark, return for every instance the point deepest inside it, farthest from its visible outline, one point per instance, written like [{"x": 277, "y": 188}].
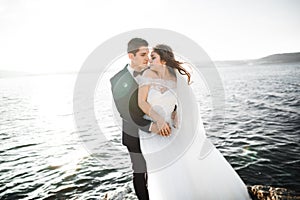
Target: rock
[{"x": 261, "y": 192}]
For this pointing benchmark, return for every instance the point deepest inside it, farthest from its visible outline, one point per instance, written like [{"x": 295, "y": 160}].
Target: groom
[{"x": 125, "y": 94}]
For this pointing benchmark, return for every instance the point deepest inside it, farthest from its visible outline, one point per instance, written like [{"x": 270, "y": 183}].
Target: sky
[{"x": 58, "y": 35}]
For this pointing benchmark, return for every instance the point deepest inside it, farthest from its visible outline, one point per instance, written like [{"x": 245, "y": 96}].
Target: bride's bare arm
[
  {"x": 146, "y": 107},
  {"x": 143, "y": 94}
]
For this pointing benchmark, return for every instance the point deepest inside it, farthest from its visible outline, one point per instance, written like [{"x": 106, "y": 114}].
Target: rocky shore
[
  {"x": 257, "y": 192},
  {"x": 261, "y": 192}
]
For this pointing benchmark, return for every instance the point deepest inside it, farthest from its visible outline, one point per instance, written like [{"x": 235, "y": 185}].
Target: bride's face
[{"x": 155, "y": 63}]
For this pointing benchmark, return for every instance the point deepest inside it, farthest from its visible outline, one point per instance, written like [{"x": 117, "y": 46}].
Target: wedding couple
[{"x": 161, "y": 127}]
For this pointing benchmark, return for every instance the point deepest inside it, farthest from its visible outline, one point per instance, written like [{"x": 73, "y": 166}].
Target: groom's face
[{"x": 140, "y": 59}]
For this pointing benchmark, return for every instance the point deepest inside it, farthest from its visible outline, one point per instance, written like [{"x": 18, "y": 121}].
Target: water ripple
[{"x": 43, "y": 156}]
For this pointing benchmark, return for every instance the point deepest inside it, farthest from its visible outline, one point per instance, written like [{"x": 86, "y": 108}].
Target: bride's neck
[{"x": 163, "y": 73}]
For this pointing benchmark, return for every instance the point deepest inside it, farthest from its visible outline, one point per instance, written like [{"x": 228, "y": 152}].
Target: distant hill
[
  {"x": 271, "y": 59},
  {"x": 280, "y": 58}
]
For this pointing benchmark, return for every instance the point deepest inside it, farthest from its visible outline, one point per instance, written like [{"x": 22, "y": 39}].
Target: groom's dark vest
[{"x": 125, "y": 94}]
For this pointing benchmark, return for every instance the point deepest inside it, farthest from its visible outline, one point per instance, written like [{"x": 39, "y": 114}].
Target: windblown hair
[
  {"x": 134, "y": 44},
  {"x": 166, "y": 54}
]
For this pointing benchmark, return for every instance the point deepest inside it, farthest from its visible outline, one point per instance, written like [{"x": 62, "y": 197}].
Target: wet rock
[{"x": 262, "y": 192}]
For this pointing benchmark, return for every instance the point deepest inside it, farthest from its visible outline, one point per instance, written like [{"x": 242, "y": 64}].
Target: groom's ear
[{"x": 130, "y": 56}]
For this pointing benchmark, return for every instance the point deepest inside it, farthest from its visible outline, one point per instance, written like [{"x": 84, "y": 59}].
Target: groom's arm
[
  {"x": 122, "y": 107},
  {"x": 147, "y": 128},
  {"x": 141, "y": 123},
  {"x": 163, "y": 131}
]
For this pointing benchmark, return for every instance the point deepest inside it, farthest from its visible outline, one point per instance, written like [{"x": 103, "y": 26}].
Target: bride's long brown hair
[{"x": 166, "y": 54}]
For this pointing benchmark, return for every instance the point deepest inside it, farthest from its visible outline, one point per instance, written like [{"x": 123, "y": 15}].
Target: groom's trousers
[{"x": 139, "y": 173}]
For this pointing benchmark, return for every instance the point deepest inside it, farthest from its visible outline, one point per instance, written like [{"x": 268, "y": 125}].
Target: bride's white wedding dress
[{"x": 185, "y": 165}]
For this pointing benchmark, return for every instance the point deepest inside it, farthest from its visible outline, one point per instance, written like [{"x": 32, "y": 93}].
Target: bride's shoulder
[
  {"x": 149, "y": 77},
  {"x": 149, "y": 73}
]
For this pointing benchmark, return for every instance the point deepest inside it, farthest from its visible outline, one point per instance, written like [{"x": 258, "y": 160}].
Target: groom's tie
[{"x": 136, "y": 73}]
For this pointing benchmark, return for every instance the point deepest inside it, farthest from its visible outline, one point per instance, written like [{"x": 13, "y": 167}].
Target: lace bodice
[{"x": 161, "y": 96}]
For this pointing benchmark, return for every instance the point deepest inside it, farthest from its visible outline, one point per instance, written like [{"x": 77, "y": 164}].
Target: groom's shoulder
[{"x": 118, "y": 75}]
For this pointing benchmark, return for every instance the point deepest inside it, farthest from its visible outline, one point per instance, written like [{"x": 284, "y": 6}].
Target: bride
[{"x": 184, "y": 164}]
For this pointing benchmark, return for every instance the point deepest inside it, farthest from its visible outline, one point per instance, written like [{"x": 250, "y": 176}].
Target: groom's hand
[
  {"x": 163, "y": 130},
  {"x": 164, "y": 127}
]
